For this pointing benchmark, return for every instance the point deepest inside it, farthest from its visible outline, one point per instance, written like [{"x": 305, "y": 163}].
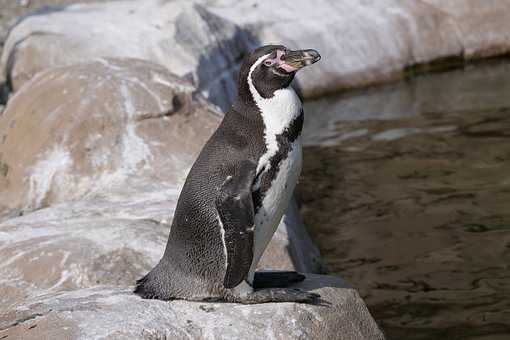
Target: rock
[
  {"x": 115, "y": 313},
  {"x": 12, "y": 9},
  {"x": 362, "y": 43},
  {"x": 103, "y": 240},
  {"x": 180, "y": 35},
  {"x": 482, "y": 27},
  {"x": 112, "y": 240},
  {"x": 104, "y": 127}
]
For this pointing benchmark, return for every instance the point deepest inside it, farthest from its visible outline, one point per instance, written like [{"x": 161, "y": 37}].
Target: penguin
[{"x": 236, "y": 193}]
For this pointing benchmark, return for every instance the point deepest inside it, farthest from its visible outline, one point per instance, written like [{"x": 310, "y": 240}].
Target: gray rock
[
  {"x": 115, "y": 313},
  {"x": 112, "y": 240},
  {"x": 362, "y": 43},
  {"x": 180, "y": 35},
  {"x": 106, "y": 127},
  {"x": 369, "y": 42}
]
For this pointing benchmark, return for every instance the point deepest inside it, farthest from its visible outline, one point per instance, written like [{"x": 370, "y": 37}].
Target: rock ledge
[{"x": 115, "y": 313}]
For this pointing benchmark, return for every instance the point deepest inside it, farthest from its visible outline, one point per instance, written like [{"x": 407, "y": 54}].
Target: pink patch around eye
[{"x": 279, "y": 62}]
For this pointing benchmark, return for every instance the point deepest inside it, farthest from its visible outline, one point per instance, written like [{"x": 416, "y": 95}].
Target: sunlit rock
[
  {"x": 115, "y": 313},
  {"x": 180, "y": 35},
  {"x": 362, "y": 43},
  {"x": 100, "y": 128}
]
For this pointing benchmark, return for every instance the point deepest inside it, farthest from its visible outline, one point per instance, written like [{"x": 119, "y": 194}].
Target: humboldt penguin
[{"x": 237, "y": 191}]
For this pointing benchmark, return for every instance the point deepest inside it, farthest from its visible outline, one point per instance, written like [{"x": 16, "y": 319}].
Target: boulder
[
  {"x": 105, "y": 127},
  {"x": 362, "y": 43},
  {"x": 482, "y": 27},
  {"x": 106, "y": 239},
  {"x": 113, "y": 240},
  {"x": 114, "y": 313},
  {"x": 369, "y": 42},
  {"x": 179, "y": 35}
]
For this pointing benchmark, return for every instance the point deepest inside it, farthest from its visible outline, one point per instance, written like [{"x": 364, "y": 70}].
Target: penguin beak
[{"x": 294, "y": 60}]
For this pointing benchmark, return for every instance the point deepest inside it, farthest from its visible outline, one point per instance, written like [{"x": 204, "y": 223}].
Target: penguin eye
[{"x": 268, "y": 62}]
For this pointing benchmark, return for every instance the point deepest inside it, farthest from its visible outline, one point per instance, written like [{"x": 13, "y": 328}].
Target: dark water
[{"x": 406, "y": 190}]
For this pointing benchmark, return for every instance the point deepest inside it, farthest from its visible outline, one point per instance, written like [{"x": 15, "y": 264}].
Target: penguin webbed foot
[
  {"x": 276, "y": 279},
  {"x": 279, "y": 295}
]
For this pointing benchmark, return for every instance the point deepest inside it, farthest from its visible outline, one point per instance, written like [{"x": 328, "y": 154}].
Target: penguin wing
[{"x": 236, "y": 212}]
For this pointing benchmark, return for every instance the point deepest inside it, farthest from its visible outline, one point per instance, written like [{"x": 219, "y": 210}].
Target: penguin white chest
[{"x": 276, "y": 199}]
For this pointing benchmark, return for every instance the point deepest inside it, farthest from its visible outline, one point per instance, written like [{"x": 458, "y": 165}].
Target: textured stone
[
  {"x": 100, "y": 128},
  {"x": 113, "y": 240},
  {"x": 180, "y": 35},
  {"x": 361, "y": 43},
  {"x": 115, "y": 313},
  {"x": 482, "y": 27}
]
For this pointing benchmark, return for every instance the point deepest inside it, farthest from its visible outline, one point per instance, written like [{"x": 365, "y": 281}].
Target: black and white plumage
[{"x": 237, "y": 191}]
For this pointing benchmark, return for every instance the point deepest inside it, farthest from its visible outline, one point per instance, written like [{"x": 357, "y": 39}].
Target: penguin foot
[
  {"x": 141, "y": 289},
  {"x": 276, "y": 279},
  {"x": 147, "y": 290},
  {"x": 278, "y": 295}
]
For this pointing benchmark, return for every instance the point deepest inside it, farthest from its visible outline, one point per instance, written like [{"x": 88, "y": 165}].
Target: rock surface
[
  {"x": 102, "y": 127},
  {"x": 113, "y": 240},
  {"x": 367, "y": 42},
  {"x": 115, "y": 313},
  {"x": 361, "y": 43},
  {"x": 82, "y": 244},
  {"x": 180, "y": 35}
]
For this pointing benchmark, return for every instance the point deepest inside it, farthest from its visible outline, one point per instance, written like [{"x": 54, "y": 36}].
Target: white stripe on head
[{"x": 277, "y": 113}]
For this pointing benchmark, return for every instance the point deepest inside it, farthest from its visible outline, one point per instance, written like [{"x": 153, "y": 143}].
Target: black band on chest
[{"x": 284, "y": 141}]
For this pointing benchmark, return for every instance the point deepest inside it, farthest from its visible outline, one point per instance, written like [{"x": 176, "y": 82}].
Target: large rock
[
  {"x": 113, "y": 240},
  {"x": 82, "y": 244},
  {"x": 482, "y": 27},
  {"x": 180, "y": 35},
  {"x": 367, "y": 42},
  {"x": 102, "y": 127},
  {"x": 115, "y": 313},
  {"x": 362, "y": 43}
]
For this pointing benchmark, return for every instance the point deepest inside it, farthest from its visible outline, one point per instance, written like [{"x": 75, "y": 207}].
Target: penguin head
[{"x": 273, "y": 67}]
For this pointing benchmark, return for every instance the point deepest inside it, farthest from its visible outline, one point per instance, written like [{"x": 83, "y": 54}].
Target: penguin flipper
[{"x": 236, "y": 213}]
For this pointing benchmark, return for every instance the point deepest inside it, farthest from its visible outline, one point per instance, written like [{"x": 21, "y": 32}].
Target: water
[{"x": 406, "y": 190}]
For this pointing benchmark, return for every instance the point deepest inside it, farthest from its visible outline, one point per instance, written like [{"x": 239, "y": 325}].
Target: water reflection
[{"x": 406, "y": 189}]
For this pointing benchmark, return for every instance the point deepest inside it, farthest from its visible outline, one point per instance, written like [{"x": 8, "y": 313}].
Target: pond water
[{"x": 406, "y": 190}]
